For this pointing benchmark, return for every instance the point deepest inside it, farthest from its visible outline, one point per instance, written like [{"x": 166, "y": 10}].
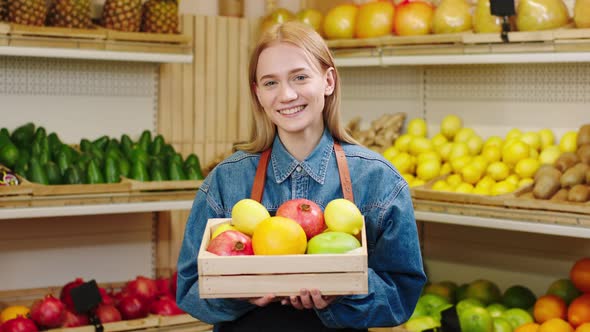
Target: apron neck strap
[{"x": 260, "y": 177}]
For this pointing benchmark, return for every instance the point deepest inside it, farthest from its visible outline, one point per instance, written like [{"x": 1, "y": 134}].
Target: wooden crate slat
[
  {"x": 211, "y": 88},
  {"x": 28, "y": 30},
  {"x": 234, "y": 81},
  {"x": 222, "y": 82},
  {"x": 200, "y": 42},
  {"x": 147, "y": 37},
  {"x": 188, "y": 101}
]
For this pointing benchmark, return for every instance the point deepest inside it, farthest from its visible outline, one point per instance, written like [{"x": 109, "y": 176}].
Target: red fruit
[
  {"x": 72, "y": 319},
  {"x": 144, "y": 288},
  {"x": 65, "y": 295},
  {"x": 132, "y": 307},
  {"x": 107, "y": 313},
  {"x": 306, "y": 213},
  {"x": 231, "y": 243},
  {"x": 165, "y": 306},
  {"x": 163, "y": 285},
  {"x": 106, "y": 298},
  {"x": 173, "y": 281},
  {"x": 48, "y": 312},
  {"x": 19, "y": 324}
]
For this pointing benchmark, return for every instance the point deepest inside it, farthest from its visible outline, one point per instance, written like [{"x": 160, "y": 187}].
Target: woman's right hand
[{"x": 263, "y": 301}]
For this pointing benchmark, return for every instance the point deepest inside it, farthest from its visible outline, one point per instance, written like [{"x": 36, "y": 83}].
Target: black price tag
[
  {"x": 86, "y": 297},
  {"x": 449, "y": 321},
  {"x": 502, "y": 7}
]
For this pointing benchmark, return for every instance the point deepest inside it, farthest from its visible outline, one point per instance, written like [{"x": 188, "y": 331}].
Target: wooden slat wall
[{"x": 203, "y": 107}]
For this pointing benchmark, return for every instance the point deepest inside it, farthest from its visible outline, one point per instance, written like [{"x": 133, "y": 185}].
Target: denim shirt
[{"x": 395, "y": 273}]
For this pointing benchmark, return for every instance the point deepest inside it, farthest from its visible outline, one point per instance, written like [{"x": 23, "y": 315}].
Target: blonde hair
[{"x": 262, "y": 130}]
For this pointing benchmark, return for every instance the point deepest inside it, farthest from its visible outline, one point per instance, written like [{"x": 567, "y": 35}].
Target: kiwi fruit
[
  {"x": 566, "y": 160},
  {"x": 560, "y": 195},
  {"x": 546, "y": 186},
  {"x": 584, "y": 135},
  {"x": 579, "y": 193},
  {"x": 584, "y": 153}
]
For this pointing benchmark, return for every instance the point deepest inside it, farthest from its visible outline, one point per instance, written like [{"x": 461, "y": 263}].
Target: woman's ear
[{"x": 330, "y": 81}]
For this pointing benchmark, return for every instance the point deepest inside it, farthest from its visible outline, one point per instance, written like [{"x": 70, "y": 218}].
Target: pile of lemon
[{"x": 494, "y": 166}]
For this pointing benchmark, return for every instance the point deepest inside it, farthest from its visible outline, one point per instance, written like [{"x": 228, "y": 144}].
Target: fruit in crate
[
  {"x": 231, "y": 243},
  {"x": 279, "y": 236},
  {"x": 483, "y": 20},
  {"x": 144, "y": 288},
  {"x": 382, "y": 132},
  {"x": 160, "y": 16},
  {"x": 246, "y": 214},
  {"x": 533, "y": 15},
  {"x": 13, "y": 311},
  {"x": 452, "y": 16},
  {"x": 72, "y": 319},
  {"x": 277, "y": 16},
  {"x": 332, "y": 243},
  {"x": 580, "y": 274},
  {"x": 311, "y": 17},
  {"x": 132, "y": 307},
  {"x": 413, "y": 18},
  {"x": 28, "y": 12},
  {"x": 222, "y": 228},
  {"x": 65, "y": 293},
  {"x": 476, "y": 319},
  {"x": 3, "y": 10},
  {"x": 306, "y": 213},
  {"x": 340, "y": 22},
  {"x": 19, "y": 324},
  {"x": 70, "y": 14},
  {"x": 165, "y": 306},
  {"x": 342, "y": 215},
  {"x": 374, "y": 19},
  {"x": 108, "y": 313},
  {"x": 122, "y": 15},
  {"x": 48, "y": 312}
]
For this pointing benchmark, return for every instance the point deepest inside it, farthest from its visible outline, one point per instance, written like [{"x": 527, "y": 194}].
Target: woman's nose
[{"x": 287, "y": 93}]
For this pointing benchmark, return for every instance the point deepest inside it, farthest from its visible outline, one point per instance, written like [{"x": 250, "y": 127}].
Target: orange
[
  {"x": 12, "y": 312},
  {"x": 583, "y": 328},
  {"x": 580, "y": 274},
  {"x": 578, "y": 312},
  {"x": 548, "y": 307},
  {"x": 279, "y": 236},
  {"x": 555, "y": 325},
  {"x": 528, "y": 327}
]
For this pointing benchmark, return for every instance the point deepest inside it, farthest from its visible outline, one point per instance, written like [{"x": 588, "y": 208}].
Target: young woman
[{"x": 303, "y": 151}]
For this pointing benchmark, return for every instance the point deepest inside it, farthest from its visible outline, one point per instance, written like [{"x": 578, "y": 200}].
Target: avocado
[
  {"x": 93, "y": 173},
  {"x": 36, "y": 173},
  {"x": 23, "y": 135},
  {"x": 145, "y": 140},
  {"x": 157, "y": 145},
  {"x": 124, "y": 167},
  {"x": 157, "y": 172},
  {"x": 9, "y": 154},
  {"x": 85, "y": 145},
  {"x": 73, "y": 175},
  {"x": 53, "y": 173},
  {"x": 101, "y": 142},
  {"x": 112, "y": 172},
  {"x": 175, "y": 171},
  {"x": 139, "y": 171}
]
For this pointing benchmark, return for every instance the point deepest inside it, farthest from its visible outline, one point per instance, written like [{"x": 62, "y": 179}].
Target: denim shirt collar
[{"x": 316, "y": 164}]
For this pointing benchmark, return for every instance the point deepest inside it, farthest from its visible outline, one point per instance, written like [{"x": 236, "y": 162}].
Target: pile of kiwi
[{"x": 569, "y": 178}]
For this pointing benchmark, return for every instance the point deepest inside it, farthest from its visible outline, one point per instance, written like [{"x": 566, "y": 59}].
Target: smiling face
[{"x": 291, "y": 89}]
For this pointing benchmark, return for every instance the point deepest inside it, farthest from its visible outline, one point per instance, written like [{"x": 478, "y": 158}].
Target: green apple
[{"x": 332, "y": 243}]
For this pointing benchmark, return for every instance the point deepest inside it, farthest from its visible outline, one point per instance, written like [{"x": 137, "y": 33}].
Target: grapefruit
[{"x": 279, "y": 236}]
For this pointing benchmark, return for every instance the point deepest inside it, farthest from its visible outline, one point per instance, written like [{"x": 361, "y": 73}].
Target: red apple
[
  {"x": 413, "y": 18},
  {"x": 306, "y": 213},
  {"x": 231, "y": 243},
  {"x": 374, "y": 19}
]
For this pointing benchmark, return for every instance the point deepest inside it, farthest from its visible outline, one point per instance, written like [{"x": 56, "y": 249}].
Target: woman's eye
[
  {"x": 269, "y": 83},
  {"x": 300, "y": 77}
]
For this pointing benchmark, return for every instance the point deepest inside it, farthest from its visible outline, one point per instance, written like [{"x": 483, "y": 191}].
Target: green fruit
[
  {"x": 501, "y": 325},
  {"x": 112, "y": 172},
  {"x": 431, "y": 303},
  {"x": 23, "y": 135},
  {"x": 37, "y": 173},
  {"x": 476, "y": 319},
  {"x": 468, "y": 303},
  {"x": 93, "y": 173},
  {"x": 53, "y": 173},
  {"x": 442, "y": 290},
  {"x": 565, "y": 289},
  {"x": 518, "y": 296},
  {"x": 9, "y": 154},
  {"x": 420, "y": 324},
  {"x": 332, "y": 243},
  {"x": 517, "y": 317},
  {"x": 73, "y": 175},
  {"x": 342, "y": 215},
  {"x": 496, "y": 309},
  {"x": 145, "y": 140},
  {"x": 484, "y": 290},
  {"x": 461, "y": 292},
  {"x": 139, "y": 171}
]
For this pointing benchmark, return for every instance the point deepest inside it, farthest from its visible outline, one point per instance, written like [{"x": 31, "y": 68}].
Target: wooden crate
[
  {"x": 254, "y": 276},
  {"x": 79, "y": 189},
  {"x": 524, "y": 199},
  {"x": 135, "y": 185}
]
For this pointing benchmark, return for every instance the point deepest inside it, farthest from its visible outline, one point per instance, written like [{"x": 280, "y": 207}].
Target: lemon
[
  {"x": 12, "y": 312},
  {"x": 419, "y": 145},
  {"x": 496, "y": 141},
  {"x": 417, "y": 127},
  {"x": 475, "y": 144},
  {"x": 464, "y": 188},
  {"x": 484, "y": 186},
  {"x": 246, "y": 214},
  {"x": 428, "y": 169},
  {"x": 403, "y": 163},
  {"x": 445, "y": 169},
  {"x": 515, "y": 152},
  {"x": 569, "y": 142},
  {"x": 480, "y": 190},
  {"x": 513, "y": 133},
  {"x": 459, "y": 163},
  {"x": 390, "y": 152},
  {"x": 525, "y": 182},
  {"x": 526, "y": 168},
  {"x": 471, "y": 174},
  {"x": 549, "y": 155},
  {"x": 450, "y": 125},
  {"x": 502, "y": 187},
  {"x": 408, "y": 177},
  {"x": 464, "y": 134},
  {"x": 402, "y": 143},
  {"x": 533, "y": 139},
  {"x": 416, "y": 183},
  {"x": 444, "y": 150},
  {"x": 547, "y": 137},
  {"x": 222, "y": 228},
  {"x": 533, "y": 153},
  {"x": 513, "y": 179},
  {"x": 438, "y": 140},
  {"x": 454, "y": 180},
  {"x": 459, "y": 149},
  {"x": 441, "y": 185},
  {"x": 342, "y": 215},
  {"x": 428, "y": 155},
  {"x": 498, "y": 171},
  {"x": 480, "y": 162},
  {"x": 491, "y": 153}
]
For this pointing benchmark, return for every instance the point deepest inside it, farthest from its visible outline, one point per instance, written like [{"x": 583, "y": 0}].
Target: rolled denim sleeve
[
  {"x": 396, "y": 275},
  {"x": 211, "y": 311}
]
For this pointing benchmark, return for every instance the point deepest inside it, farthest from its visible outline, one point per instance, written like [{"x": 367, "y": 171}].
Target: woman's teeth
[{"x": 293, "y": 110}]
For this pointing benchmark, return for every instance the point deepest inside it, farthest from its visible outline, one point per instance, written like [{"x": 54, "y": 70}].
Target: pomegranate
[
  {"x": 306, "y": 213},
  {"x": 163, "y": 285},
  {"x": 72, "y": 319},
  {"x": 65, "y": 295},
  {"x": 19, "y": 324},
  {"x": 144, "y": 288},
  {"x": 173, "y": 281},
  {"x": 165, "y": 306},
  {"x": 132, "y": 307},
  {"x": 48, "y": 312},
  {"x": 106, "y": 298},
  {"x": 107, "y": 313},
  {"x": 231, "y": 243}
]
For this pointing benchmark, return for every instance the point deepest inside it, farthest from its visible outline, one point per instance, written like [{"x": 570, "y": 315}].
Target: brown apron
[{"x": 284, "y": 318}]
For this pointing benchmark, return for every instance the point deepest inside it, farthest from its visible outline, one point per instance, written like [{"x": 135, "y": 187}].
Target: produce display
[
  {"x": 138, "y": 298},
  {"x": 382, "y": 132},
  {"x": 481, "y": 306}
]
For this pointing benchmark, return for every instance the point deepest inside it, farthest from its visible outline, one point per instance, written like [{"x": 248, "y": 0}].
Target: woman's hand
[
  {"x": 263, "y": 301},
  {"x": 309, "y": 300}
]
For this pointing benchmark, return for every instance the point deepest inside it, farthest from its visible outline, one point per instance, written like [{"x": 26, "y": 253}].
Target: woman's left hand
[{"x": 308, "y": 300}]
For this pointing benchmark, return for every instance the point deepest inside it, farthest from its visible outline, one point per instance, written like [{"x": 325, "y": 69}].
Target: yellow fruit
[
  {"x": 498, "y": 171},
  {"x": 390, "y": 152},
  {"x": 454, "y": 180},
  {"x": 340, "y": 22},
  {"x": 279, "y": 236},
  {"x": 417, "y": 127},
  {"x": 525, "y": 182},
  {"x": 419, "y": 145},
  {"x": 502, "y": 187},
  {"x": 464, "y": 134},
  {"x": 526, "y": 168},
  {"x": 480, "y": 190},
  {"x": 549, "y": 155},
  {"x": 459, "y": 149},
  {"x": 459, "y": 163},
  {"x": 428, "y": 170},
  {"x": 464, "y": 188},
  {"x": 452, "y": 16},
  {"x": 444, "y": 150},
  {"x": 513, "y": 133},
  {"x": 513, "y": 179},
  {"x": 12, "y": 312},
  {"x": 475, "y": 144},
  {"x": 450, "y": 125},
  {"x": 246, "y": 214},
  {"x": 402, "y": 143},
  {"x": 428, "y": 155},
  {"x": 311, "y": 17},
  {"x": 533, "y": 153},
  {"x": 547, "y": 137},
  {"x": 341, "y": 215},
  {"x": 514, "y": 152},
  {"x": 492, "y": 153},
  {"x": 403, "y": 163},
  {"x": 494, "y": 141},
  {"x": 222, "y": 228},
  {"x": 441, "y": 185},
  {"x": 471, "y": 174},
  {"x": 445, "y": 169},
  {"x": 416, "y": 183},
  {"x": 480, "y": 163},
  {"x": 408, "y": 177},
  {"x": 438, "y": 140},
  {"x": 569, "y": 142},
  {"x": 532, "y": 139}
]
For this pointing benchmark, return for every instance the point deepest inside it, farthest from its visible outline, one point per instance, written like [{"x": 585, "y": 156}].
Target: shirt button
[{"x": 298, "y": 169}]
